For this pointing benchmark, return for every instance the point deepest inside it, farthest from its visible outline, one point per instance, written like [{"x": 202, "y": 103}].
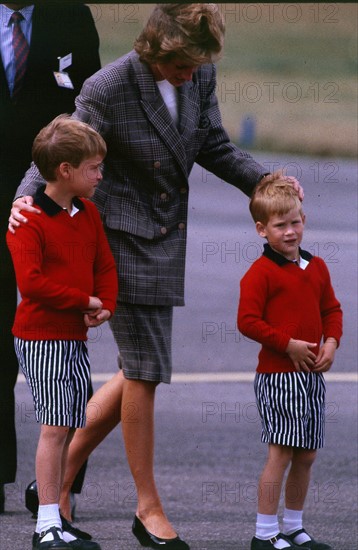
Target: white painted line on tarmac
[{"x": 203, "y": 377}]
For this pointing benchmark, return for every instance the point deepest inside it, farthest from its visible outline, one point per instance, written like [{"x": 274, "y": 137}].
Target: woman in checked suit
[{"x": 157, "y": 110}]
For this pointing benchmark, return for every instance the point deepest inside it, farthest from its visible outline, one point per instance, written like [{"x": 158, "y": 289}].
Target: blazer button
[
  {"x": 157, "y": 164},
  {"x": 164, "y": 196},
  {"x": 163, "y": 230},
  {"x": 181, "y": 226},
  {"x": 183, "y": 190}
]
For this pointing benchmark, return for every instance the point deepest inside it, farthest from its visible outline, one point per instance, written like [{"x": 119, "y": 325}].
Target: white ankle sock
[
  {"x": 48, "y": 516},
  {"x": 267, "y": 527},
  {"x": 292, "y": 521}
]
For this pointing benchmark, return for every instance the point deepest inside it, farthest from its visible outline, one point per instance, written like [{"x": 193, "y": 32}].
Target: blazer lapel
[
  {"x": 189, "y": 102},
  {"x": 39, "y": 38},
  {"x": 158, "y": 114}
]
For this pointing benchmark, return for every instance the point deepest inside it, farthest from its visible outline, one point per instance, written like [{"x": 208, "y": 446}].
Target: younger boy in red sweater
[
  {"x": 67, "y": 279},
  {"x": 287, "y": 304}
]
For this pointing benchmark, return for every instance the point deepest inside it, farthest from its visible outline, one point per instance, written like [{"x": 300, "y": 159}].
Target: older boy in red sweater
[
  {"x": 287, "y": 304},
  {"x": 68, "y": 282}
]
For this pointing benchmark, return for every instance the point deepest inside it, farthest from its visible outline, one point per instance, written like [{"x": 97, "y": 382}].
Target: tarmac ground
[
  {"x": 208, "y": 450},
  {"x": 208, "y": 459}
]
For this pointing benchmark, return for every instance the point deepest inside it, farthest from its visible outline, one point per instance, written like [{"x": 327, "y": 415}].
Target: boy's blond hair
[
  {"x": 193, "y": 32},
  {"x": 274, "y": 195},
  {"x": 65, "y": 140}
]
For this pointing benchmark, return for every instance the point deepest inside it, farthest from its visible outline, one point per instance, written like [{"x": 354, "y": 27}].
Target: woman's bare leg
[
  {"x": 103, "y": 414},
  {"x": 138, "y": 432}
]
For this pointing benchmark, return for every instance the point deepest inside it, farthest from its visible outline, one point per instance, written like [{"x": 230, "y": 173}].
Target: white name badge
[{"x": 63, "y": 80}]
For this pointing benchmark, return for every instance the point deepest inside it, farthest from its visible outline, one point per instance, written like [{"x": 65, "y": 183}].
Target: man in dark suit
[{"x": 56, "y": 33}]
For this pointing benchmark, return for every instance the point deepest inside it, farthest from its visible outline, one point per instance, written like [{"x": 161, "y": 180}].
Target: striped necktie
[{"x": 21, "y": 51}]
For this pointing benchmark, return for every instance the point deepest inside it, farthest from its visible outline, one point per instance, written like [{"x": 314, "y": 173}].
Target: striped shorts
[
  {"x": 58, "y": 373},
  {"x": 143, "y": 334},
  {"x": 292, "y": 408}
]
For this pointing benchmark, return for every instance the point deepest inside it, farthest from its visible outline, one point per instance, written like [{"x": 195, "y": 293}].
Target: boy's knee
[
  {"x": 54, "y": 434},
  {"x": 305, "y": 457},
  {"x": 281, "y": 455}
]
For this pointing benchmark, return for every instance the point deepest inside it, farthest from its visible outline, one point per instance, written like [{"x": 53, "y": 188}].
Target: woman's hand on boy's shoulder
[{"x": 22, "y": 204}]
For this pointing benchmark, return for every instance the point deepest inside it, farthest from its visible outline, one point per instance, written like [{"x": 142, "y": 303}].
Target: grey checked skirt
[{"x": 143, "y": 334}]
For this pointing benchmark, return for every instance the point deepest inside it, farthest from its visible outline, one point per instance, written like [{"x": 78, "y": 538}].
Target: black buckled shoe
[
  {"x": 149, "y": 540},
  {"x": 55, "y": 542},
  {"x": 80, "y": 544},
  {"x": 258, "y": 544},
  {"x": 82, "y": 539},
  {"x": 75, "y": 531},
  {"x": 311, "y": 544}
]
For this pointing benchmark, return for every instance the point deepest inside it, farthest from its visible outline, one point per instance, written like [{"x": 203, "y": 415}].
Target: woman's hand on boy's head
[
  {"x": 296, "y": 185},
  {"x": 22, "y": 204},
  {"x": 293, "y": 181}
]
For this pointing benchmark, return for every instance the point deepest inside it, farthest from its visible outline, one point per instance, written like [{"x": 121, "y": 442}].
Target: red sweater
[
  {"x": 279, "y": 301},
  {"x": 60, "y": 261}
]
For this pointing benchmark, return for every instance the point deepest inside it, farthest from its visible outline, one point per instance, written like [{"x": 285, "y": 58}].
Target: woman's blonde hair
[
  {"x": 193, "y": 32},
  {"x": 274, "y": 195},
  {"x": 65, "y": 140}
]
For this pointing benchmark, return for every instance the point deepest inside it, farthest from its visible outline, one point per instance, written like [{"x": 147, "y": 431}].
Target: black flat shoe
[
  {"x": 151, "y": 541},
  {"x": 258, "y": 544},
  {"x": 80, "y": 544},
  {"x": 78, "y": 533},
  {"x": 32, "y": 499},
  {"x": 311, "y": 544},
  {"x": 57, "y": 543}
]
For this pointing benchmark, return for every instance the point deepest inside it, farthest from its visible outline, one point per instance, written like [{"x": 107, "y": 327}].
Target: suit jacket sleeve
[
  {"x": 218, "y": 154},
  {"x": 105, "y": 271}
]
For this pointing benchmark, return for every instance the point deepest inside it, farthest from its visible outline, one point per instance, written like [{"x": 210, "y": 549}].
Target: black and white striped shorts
[
  {"x": 58, "y": 373},
  {"x": 292, "y": 408},
  {"x": 143, "y": 334}
]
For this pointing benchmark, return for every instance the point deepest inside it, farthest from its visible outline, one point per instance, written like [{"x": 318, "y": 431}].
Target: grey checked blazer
[{"x": 143, "y": 197}]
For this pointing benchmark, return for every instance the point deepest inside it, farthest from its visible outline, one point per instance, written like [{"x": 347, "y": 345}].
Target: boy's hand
[
  {"x": 16, "y": 218},
  {"x": 94, "y": 305},
  {"x": 325, "y": 356},
  {"x": 92, "y": 320},
  {"x": 301, "y": 355}
]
